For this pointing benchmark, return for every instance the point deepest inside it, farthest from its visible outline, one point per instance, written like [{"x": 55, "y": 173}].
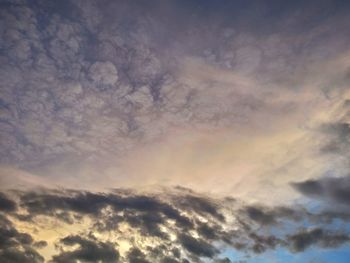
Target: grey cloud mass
[
  {"x": 84, "y": 80},
  {"x": 16, "y": 246},
  {"x": 333, "y": 189},
  {"x": 6, "y": 205},
  {"x": 303, "y": 239},
  {"x": 171, "y": 231},
  {"x": 89, "y": 251}
]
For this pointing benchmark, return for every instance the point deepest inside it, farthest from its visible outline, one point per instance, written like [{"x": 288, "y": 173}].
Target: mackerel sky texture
[{"x": 174, "y": 131}]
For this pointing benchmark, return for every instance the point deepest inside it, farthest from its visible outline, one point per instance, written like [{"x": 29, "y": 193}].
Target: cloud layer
[
  {"x": 173, "y": 131},
  {"x": 176, "y": 225},
  {"x": 86, "y": 85}
]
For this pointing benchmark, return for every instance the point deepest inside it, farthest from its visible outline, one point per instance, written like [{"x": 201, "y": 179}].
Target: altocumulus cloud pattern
[{"x": 174, "y": 131}]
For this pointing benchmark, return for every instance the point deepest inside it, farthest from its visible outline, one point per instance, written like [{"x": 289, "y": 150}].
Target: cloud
[
  {"x": 304, "y": 239},
  {"x": 135, "y": 255},
  {"x": 228, "y": 98},
  {"x": 40, "y": 244},
  {"x": 16, "y": 246},
  {"x": 104, "y": 73},
  {"x": 6, "y": 205},
  {"x": 199, "y": 248},
  {"x": 88, "y": 251},
  {"x": 260, "y": 216},
  {"x": 84, "y": 85},
  {"x": 172, "y": 225},
  {"x": 329, "y": 189}
]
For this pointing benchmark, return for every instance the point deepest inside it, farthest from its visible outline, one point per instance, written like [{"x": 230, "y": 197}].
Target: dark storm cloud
[
  {"x": 260, "y": 216},
  {"x": 6, "y": 205},
  {"x": 10, "y": 236},
  {"x": 136, "y": 256},
  {"x": 16, "y": 246},
  {"x": 88, "y": 251},
  {"x": 149, "y": 210},
  {"x": 262, "y": 243},
  {"x": 208, "y": 232},
  {"x": 320, "y": 237},
  {"x": 200, "y": 205},
  {"x": 336, "y": 189},
  {"x": 198, "y": 247},
  {"x": 274, "y": 216},
  {"x": 80, "y": 202},
  {"x": 147, "y": 222},
  {"x": 180, "y": 229},
  {"x": 271, "y": 216}
]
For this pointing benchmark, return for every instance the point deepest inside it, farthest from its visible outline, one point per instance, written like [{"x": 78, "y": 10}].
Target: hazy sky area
[{"x": 174, "y": 131}]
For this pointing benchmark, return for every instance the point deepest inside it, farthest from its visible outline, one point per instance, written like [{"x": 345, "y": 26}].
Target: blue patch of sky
[{"x": 281, "y": 255}]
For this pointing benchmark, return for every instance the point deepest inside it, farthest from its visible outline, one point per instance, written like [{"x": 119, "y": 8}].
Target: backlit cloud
[{"x": 176, "y": 131}]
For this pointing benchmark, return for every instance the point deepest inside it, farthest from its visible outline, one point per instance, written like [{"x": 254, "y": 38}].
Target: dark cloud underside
[{"x": 176, "y": 232}]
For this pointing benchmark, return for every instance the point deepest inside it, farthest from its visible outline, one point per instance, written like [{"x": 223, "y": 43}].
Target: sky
[{"x": 174, "y": 131}]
